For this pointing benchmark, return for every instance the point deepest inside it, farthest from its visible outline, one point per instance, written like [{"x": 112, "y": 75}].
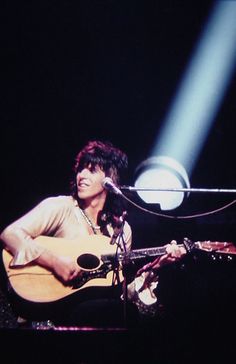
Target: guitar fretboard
[
  {"x": 135, "y": 254},
  {"x": 148, "y": 252}
]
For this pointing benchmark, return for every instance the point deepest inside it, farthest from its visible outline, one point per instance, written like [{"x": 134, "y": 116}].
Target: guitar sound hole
[{"x": 88, "y": 261}]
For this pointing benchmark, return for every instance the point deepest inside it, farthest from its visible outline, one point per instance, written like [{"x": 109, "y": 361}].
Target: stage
[{"x": 172, "y": 342}]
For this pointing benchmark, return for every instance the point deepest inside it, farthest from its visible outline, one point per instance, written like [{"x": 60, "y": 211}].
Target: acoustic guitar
[{"x": 100, "y": 262}]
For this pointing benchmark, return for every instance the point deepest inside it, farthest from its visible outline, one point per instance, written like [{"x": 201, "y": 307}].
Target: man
[{"x": 82, "y": 294}]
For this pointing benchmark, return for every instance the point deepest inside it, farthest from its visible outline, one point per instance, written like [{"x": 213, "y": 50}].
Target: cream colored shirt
[{"x": 57, "y": 216}]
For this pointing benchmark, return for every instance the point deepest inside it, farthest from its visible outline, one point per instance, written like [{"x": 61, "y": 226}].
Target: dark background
[{"x": 74, "y": 71}]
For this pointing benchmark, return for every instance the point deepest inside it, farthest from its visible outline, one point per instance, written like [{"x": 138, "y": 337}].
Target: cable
[{"x": 180, "y": 217}]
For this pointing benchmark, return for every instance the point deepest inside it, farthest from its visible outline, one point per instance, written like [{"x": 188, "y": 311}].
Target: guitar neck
[
  {"x": 144, "y": 253},
  {"x": 136, "y": 254}
]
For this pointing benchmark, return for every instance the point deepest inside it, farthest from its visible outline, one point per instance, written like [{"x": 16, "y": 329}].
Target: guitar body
[{"x": 37, "y": 284}]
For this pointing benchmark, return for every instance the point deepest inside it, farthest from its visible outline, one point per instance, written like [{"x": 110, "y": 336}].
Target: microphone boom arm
[{"x": 215, "y": 190}]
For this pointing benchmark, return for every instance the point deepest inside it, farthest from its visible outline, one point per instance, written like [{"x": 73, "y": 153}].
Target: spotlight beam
[
  {"x": 191, "y": 116},
  {"x": 202, "y": 89}
]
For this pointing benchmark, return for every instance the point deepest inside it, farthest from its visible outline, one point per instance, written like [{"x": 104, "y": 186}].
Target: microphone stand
[{"x": 115, "y": 239}]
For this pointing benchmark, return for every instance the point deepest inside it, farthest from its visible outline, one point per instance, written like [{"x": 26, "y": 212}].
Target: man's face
[{"x": 89, "y": 182}]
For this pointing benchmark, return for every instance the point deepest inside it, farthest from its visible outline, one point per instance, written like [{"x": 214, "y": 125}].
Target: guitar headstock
[{"x": 216, "y": 246}]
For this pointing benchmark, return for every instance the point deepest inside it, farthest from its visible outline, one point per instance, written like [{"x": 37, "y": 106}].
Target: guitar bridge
[{"x": 88, "y": 275}]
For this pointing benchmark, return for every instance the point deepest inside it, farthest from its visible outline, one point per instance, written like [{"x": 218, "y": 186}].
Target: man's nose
[{"x": 84, "y": 172}]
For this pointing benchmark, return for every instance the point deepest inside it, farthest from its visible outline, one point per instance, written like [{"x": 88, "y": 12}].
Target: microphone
[{"x": 109, "y": 185}]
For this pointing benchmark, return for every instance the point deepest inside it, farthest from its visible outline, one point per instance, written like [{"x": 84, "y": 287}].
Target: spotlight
[{"x": 158, "y": 179}]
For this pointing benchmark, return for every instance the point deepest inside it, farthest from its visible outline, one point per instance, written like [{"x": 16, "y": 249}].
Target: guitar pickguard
[{"x": 86, "y": 276}]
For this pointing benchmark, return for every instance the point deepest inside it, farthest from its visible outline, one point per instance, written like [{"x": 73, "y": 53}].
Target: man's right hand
[{"x": 63, "y": 267}]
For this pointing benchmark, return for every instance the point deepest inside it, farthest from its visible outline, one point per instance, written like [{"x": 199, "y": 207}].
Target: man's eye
[{"x": 95, "y": 169}]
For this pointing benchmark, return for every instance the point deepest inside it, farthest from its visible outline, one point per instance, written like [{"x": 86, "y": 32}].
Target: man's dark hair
[{"x": 114, "y": 163}]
